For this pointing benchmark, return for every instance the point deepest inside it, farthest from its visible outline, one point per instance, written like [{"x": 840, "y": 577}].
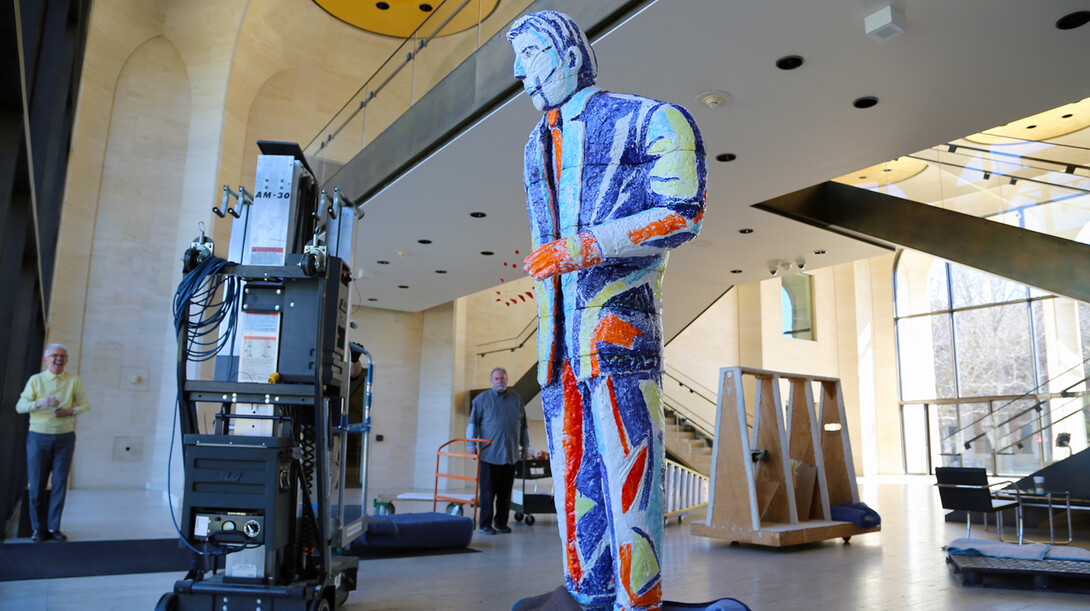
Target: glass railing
[
  {"x": 1012, "y": 435},
  {"x": 420, "y": 62}
]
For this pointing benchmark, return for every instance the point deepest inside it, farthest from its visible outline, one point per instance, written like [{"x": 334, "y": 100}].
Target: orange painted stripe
[
  {"x": 573, "y": 458},
  {"x": 632, "y": 482},
  {"x": 621, "y": 432},
  {"x": 674, "y": 222},
  {"x": 553, "y": 115}
]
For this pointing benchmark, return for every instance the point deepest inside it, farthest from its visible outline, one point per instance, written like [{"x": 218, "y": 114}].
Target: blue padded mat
[{"x": 429, "y": 530}]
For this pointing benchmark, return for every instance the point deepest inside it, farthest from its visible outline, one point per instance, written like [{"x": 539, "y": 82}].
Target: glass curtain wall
[{"x": 991, "y": 371}]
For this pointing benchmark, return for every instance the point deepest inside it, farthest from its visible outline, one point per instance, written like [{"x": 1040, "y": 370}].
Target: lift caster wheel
[
  {"x": 168, "y": 602},
  {"x": 453, "y": 509},
  {"x": 385, "y": 509},
  {"x": 530, "y": 520},
  {"x": 518, "y": 517}
]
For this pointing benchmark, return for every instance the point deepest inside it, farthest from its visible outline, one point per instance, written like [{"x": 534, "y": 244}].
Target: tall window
[
  {"x": 797, "y": 306},
  {"x": 985, "y": 364}
]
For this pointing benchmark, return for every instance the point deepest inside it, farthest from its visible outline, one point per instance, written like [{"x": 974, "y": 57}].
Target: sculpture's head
[{"x": 553, "y": 58}]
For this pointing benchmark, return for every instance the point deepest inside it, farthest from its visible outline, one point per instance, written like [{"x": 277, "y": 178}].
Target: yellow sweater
[{"x": 66, "y": 387}]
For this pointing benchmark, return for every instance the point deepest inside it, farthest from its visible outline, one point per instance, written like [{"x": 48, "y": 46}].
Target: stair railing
[
  {"x": 512, "y": 345},
  {"x": 674, "y": 381},
  {"x": 685, "y": 490},
  {"x": 1049, "y": 414},
  {"x": 1011, "y": 410}
]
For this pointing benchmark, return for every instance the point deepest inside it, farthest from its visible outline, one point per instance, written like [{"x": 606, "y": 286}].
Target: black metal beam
[
  {"x": 39, "y": 92},
  {"x": 1047, "y": 262}
]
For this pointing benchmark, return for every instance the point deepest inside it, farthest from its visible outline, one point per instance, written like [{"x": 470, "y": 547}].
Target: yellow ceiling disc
[
  {"x": 401, "y": 18},
  {"x": 1040, "y": 127},
  {"x": 887, "y": 173}
]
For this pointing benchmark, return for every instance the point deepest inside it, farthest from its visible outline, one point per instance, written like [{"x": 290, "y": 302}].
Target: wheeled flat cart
[{"x": 525, "y": 505}]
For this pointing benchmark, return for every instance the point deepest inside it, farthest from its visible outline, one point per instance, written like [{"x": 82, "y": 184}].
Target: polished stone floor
[{"x": 901, "y": 567}]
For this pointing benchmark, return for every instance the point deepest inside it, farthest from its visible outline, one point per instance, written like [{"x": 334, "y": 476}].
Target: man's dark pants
[
  {"x": 495, "y": 483},
  {"x": 45, "y": 454}
]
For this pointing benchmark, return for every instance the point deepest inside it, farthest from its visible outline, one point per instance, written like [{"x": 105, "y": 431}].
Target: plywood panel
[
  {"x": 733, "y": 498},
  {"x": 805, "y": 436},
  {"x": 839, "y": 473},
  {"x": 769, "y": 435}
]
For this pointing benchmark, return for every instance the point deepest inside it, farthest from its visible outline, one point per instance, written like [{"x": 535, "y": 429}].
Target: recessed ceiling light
[
  {"x": 382, "y": 6},
  {"x": 426, "y": 8},
  {"x": 372, "y": 299},
  {"x": 478, "y": 215},
  {"x": 1073, "y": 20},
  {"x": 487, "y": 253},
  {"x": 424, "y": 241},
  {"x": 866, "y": 101},
  {"x": 862, "y": 177},
  {"x": 747, "y": 230},
  {"x": 380, "y": 262},
  {"x": 440, "y": 271},
  {"x": 819, "y": 252},
  {"x": 1031, "y": 127},
  {"x": 789, "y": 62},
  {"x": 1067, "y": 116},
  {"x": 735, "y": 271},
  {"x": 725, "y": 157},
  {"x": 402, "y": 286}
]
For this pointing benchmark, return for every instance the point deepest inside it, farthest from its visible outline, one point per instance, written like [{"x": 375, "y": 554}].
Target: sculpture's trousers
[{"x": 606, "y": 448}]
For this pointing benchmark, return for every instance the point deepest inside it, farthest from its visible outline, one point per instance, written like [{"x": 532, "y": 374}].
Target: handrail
[
  {"x": 423, "y": 42},
  {"x": 692, "y": 385},
  {"x": 1027, "y": 394},
  {"x": 528, "y": 331},
  {"x": 697, "y": 421},
  {"x": 1037, "y": 431}
]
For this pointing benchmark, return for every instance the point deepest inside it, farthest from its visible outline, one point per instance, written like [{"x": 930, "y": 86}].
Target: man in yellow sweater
[{"x": 53, "y": 398}]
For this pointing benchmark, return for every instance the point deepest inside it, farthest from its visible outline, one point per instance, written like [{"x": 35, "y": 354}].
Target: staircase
[
  {"x": 1020, "y": 435},
  {"x": 688, "y": 406},
  {"x": 689, "y": 432}
]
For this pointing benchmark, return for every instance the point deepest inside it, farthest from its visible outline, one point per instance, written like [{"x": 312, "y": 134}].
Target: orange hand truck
[{"x": 460, "y": 499}]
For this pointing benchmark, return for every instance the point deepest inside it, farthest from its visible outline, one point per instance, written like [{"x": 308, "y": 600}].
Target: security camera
[
  {"x": 773, "y": 268},
  {"x": 801, "y": 263}
]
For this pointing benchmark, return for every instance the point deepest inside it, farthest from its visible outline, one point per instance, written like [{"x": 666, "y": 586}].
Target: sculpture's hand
[{"x": 562, "y": 256}]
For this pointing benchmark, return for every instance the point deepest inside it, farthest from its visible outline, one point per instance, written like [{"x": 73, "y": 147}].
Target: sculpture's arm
[{"x": 676, "y": 189}]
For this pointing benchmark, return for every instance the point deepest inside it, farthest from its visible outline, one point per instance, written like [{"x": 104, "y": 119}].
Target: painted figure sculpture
[{"x": 613, "y": 182}]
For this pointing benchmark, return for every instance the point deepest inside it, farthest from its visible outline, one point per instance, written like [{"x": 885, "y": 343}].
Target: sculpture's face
[{"x": 549, "y": 76}]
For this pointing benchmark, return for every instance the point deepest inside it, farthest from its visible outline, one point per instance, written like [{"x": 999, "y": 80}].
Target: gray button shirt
[{"x": 501, "y": 418}]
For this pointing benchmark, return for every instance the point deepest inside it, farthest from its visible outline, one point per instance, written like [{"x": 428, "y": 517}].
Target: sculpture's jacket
[{"x": 632, "y": 175}]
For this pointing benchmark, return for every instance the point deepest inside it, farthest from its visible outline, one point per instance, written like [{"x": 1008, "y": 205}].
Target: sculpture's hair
[{"x": 564, "y": 34}]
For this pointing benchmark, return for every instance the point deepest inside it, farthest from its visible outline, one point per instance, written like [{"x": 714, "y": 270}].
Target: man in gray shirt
[{"x": 497, "y": 415}]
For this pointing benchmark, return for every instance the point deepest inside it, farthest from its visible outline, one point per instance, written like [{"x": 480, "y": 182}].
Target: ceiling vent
[{"x": 885, "y": 23}]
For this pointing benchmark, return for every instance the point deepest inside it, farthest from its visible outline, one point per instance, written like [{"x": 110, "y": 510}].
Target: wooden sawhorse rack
[{"x": 769, "y": 488}]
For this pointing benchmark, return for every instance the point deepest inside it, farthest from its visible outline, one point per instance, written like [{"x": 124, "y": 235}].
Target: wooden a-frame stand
[{"x": 773, "y": 489}]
